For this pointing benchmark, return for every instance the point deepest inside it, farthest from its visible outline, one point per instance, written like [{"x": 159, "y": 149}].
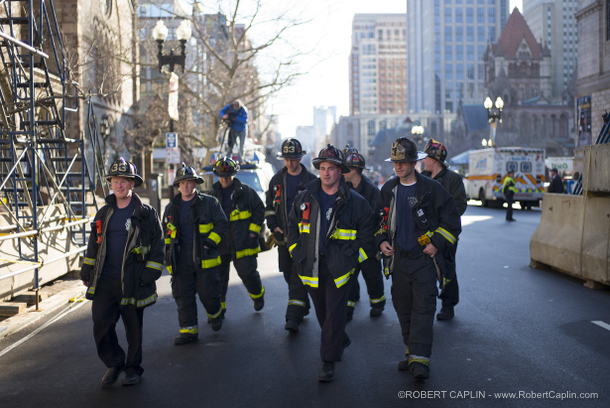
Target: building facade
[{"x": 553, "y": 23}]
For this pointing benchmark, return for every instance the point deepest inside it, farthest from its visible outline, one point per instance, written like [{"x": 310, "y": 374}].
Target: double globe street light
[{"x": 493, "y": 117}]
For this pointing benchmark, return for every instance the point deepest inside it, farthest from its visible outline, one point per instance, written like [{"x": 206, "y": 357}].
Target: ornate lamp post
[{"x": 493, "y": 117}]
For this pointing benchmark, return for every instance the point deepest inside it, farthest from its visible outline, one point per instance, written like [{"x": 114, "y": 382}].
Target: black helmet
[
  {"x": 355, "y": 160},
  {"x": 348, "y": 150},
  {"x": 186, "y": 173},
  {"x": 225, "y": 167},
  {"x": 404, "y": 150},
  {"x": 333, "y": 155},
  {"x": 437, "y": 151},
  {"x": 124, "y": 168},
  {"x": 291, "y": 149}
]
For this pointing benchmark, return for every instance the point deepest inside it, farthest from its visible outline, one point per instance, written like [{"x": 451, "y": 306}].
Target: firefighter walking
[
  {"x": 420, "y": 221},
  {"x": 123, "y": 260},
  {"x": 283, "y": 188},
  {"x": 330, "y": 232},
  {"x": 194, "y": 226},
  {"x": 437, "y": 168},
  {"x": 246, "y": 213},
  {"x": 371, "y": 268}
]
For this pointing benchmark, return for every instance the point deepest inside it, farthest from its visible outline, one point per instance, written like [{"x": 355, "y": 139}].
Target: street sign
[
  {"x": 172, "y": 155},
  {"x": 171, "y": 140}
]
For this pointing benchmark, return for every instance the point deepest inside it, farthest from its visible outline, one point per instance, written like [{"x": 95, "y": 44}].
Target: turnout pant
[
  {"x": 298, "y": 302},
  {"x": 509, "y": 209},
  {"x": 105, "y": 311},
  {"x": 371, "y": 272},
  {"x": 450, "y": 294},
  {"x": 187, "y": 282},
  {"x": 330, "y": 303},
  {"x": 414, "y": 296},
  {"x": 246, "y": 270}
]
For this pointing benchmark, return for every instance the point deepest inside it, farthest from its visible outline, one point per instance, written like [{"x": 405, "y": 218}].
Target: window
[
  {"x": 459, "y": 53},
  {"x": 459, "y": 34},
  {"x": 480, "y": 52},
  {"x": 481, "y": 34},
  {"x": 480, "y": 15},
  {"x": 492, "y": 34},
  {"x": 470, "y": 34},
  {"x": 448, "y": 71},
  {"x": 512, "y": 166},
  {"x": 491, "y": 15},
  {"x": 371, "y": 128},
  {"x": 447, "y": 15},
  {"x": 469, "y": 15},
  {"x": 448, "y": 35},
  {"x": 470, "y": 71},
  {"x": 449, "y": 90},
  {"x": 470, "y": 52},
  {"x": 448, "y": 53},
  {"x": 459, "y": 72},
  {"x": 459, "y": 15}
]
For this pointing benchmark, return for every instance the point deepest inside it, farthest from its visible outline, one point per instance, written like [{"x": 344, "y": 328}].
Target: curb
[{"x": 46, "y": 307}]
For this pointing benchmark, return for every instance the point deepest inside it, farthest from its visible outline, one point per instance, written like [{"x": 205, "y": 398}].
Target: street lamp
[
  {"x": 183, "y": 33},
  {"x": 493, "y": 117},
  {"x": 417, "y": 131}
]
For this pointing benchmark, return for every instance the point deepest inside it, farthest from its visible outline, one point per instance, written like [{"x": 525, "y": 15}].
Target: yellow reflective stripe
[
  {"x": 169, "y": 269},
  {"x": 309, "y": 281},
  {"x": 447, "y": 235},
  {"x": 297, "y": 303},
  {"x": 255, "y": 228},
  {"x": 139, "y": 303},
  {"x": 419, "y": 359},
  {"x": 210, "y": 263},
  {"x": 381, "y": 299},
  {"x": 205, "y": 228},
  {"x": 237, "y": 215},
  {"x": 168, "y": 241},
  {"x": 247, "y": 252},
  {"x": 304, "y": 228},
  {"x": 189, "y": 330},
  {"x": 342, "y": 280},
  {"x": 345, "y": 234},
  {"x": 380, "y": 231},
  {"x": 351, "y": 303},
  {"x": 89, "y": 261},
  {"x": 362, "y": 255},
  {"x": 215, "y": 315},
  {"x": 269, "y": 213},
  {"x": 223, "y": 305},
  {"x": 154, "y": 265},
  {"x": 173, "y": 229},
  {"x": 91, "y": 290},
  {"x": 214, "y": 237},
  {"x": 259, "y": 295},
  {"x": 291, "y": 248}
]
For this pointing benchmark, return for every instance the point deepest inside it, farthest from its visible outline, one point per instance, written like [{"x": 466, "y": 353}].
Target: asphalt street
[{"x": 520, "y": 338}]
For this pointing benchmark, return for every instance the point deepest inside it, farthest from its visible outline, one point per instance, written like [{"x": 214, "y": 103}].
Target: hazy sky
[{"x": 327, "y": 83}]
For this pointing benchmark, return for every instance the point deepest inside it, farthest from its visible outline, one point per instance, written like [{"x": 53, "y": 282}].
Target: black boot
[{"x": 327, "y": 372}]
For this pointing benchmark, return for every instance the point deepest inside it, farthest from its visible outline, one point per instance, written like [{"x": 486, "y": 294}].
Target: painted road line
[{"x": 601, "y": 324}]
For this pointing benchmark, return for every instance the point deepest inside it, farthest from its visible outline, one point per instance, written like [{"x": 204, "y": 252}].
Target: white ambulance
[{"x": 487, "y": 169}]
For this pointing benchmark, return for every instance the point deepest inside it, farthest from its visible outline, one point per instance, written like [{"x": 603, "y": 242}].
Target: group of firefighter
[{"x": 327, "y": 229}]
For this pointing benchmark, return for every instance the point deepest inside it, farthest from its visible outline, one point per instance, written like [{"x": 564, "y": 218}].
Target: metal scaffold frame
[{"x": 47, "y": 181}]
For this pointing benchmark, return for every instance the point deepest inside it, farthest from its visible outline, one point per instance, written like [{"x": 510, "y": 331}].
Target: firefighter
[
  {"x": 124, "y": 258},
  {"x": 371, "y": 268},
  {"x": 246, "y": 213},
  {"x": 419, "y": 221},
  {"x": 330, "y": 231},
  {"x": 436, "y": 167},
  {"x": 283, "y": 188},
  {"x": 194, "y": 226}
]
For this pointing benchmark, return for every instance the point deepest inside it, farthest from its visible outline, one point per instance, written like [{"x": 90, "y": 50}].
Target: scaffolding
[{"x": 47, "y": 181}]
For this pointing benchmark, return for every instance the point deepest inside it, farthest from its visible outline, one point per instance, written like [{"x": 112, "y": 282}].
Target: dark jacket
[
  {"x": 438, "y": 209},
  {"x": 142, "y": 258},
  {"x": 454, "y": 184},
  {"x": 247, "y": 216},
  {"x": 348, "y": 240},
  {"x": 210, "y": 230},
  {"x": 370, "y": 192},
  {"x": 276, "y": 212},
  {"x": 556, "y": 185}
]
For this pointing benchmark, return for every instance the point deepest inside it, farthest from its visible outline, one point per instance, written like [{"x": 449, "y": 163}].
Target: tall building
[
  {"x": 324, "y": 117},
  {"x": 553, "y": 24},
  {"x": 446, "y": 41},
  {"x": 377, "y": 64}
]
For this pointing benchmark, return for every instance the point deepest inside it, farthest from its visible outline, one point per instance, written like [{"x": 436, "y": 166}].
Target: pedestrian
[
  {"x": 556, "y": 185},
  {"x": 246, "y": 213},
  {"x": 420, "y": 222},
  {"x": 437, "y": 168},
  {"x": 509, "y": 190},
  {"x": 371, "y": 268},
  {"x": 124, "y": 258},
  {"x": 330, "y": 232},
  {"x": 237, "y": 115},
  {"x": 283, "y": 188},
  {"x": 194, "y": 226}
]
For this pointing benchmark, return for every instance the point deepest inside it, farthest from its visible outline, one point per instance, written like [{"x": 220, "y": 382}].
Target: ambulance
[{"x": 487, "y": 169}]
